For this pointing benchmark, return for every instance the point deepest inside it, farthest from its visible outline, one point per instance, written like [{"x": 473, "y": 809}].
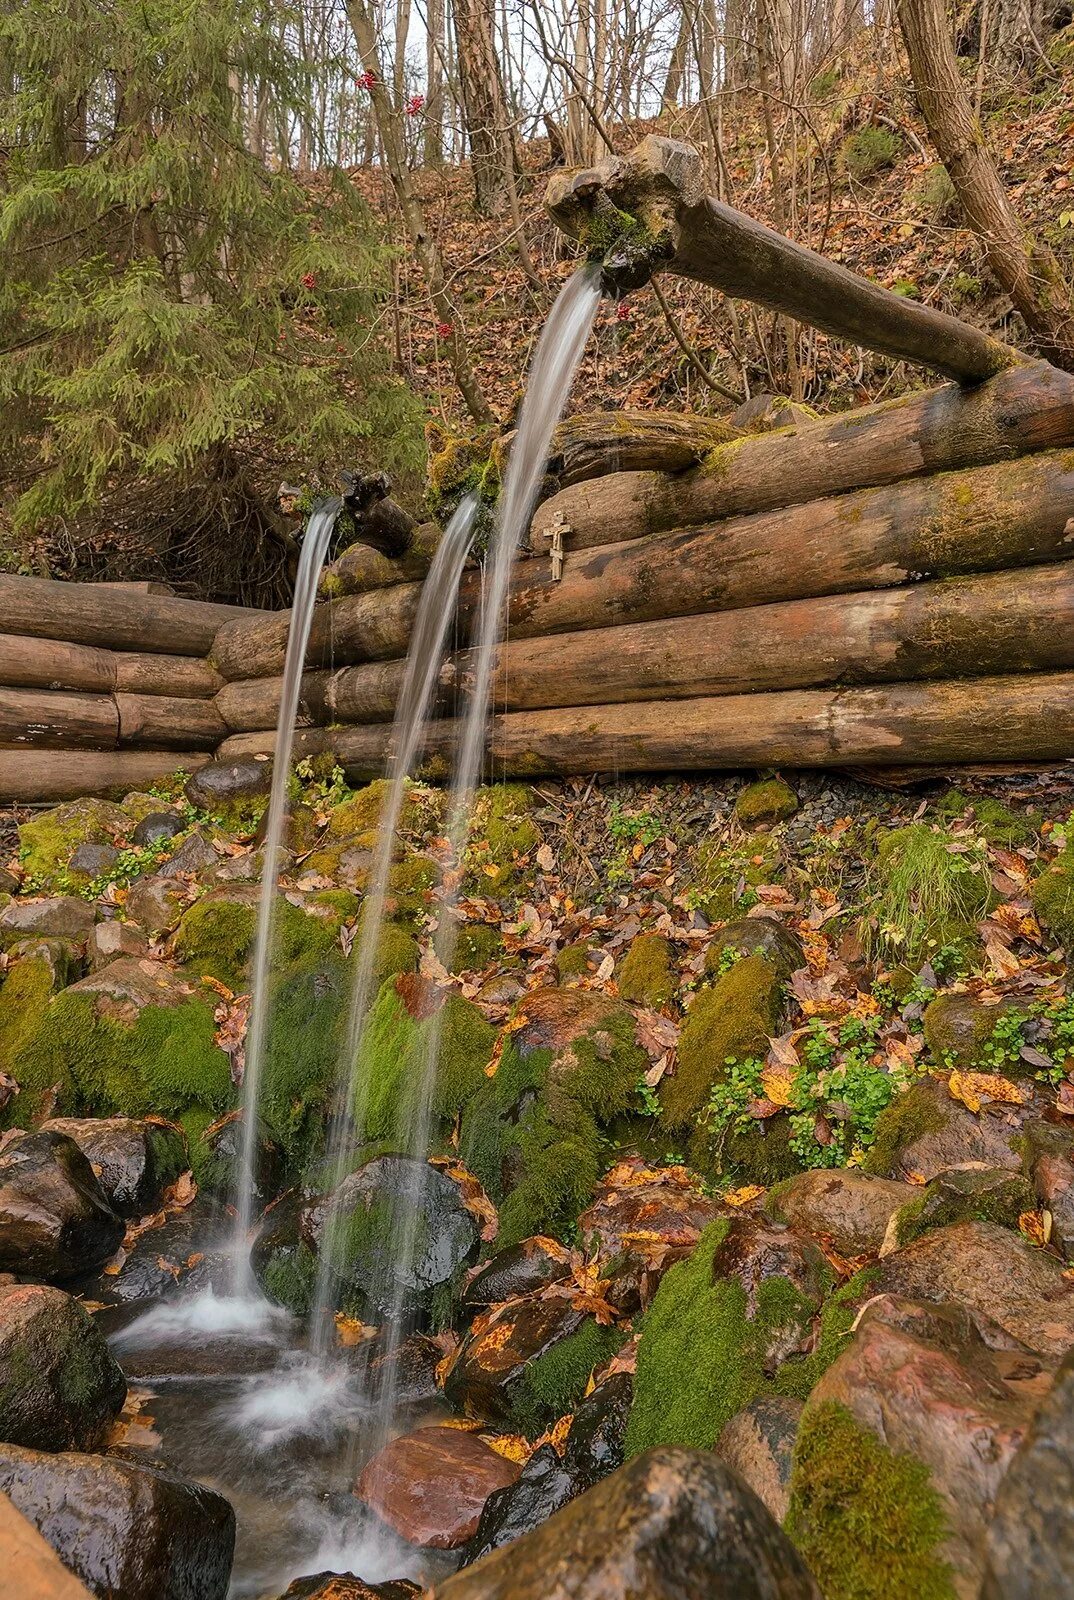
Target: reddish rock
[
  {"x": 950, "y": 1135},
  {"x": 430, "y": 1487},
  {"x": 993, "y": 1272},
  {"x": 758, "y": 1444},
  {"x": 344, "y": 1586},
  {"x": 1030, "y": 1543},
  {"x": 848, "y": 1207},
  {"x": 922, "y": 1379},
  {"x": 641, "y": 1222}
]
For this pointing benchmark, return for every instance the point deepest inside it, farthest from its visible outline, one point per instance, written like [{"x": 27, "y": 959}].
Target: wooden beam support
[
  {"x": 97, "y": 614},
  {"x": 29, "y": 776}
]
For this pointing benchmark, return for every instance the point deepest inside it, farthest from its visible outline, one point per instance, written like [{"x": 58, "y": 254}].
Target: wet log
[
  {"x": 249, "y": 704},
  {"x": 996, "y": 624},
  {"x": 54, "y": 664},
  {"x": 164, "y": 722},
  {"x": 361, "y": 627},
  {"x": 904, "y": 724},
  {"x": 599, "y": 442},
  {"x": 40, "y": 718},
  {"x": 49, "y": 775},
  {"x": 660, "y": 186},
  {"x": 96, "y": 614},
  {"x": 307, "y": 742},
  {"x": 1027, "y": 408},
  {"x": 361, "y": 568},
  {"x": 366, "y": 693},
  {"x": 189, "y": 677}
]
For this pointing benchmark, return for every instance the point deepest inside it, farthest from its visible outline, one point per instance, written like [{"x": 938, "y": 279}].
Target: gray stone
[
  {"x": 133, "y": 1161},
  {"x": 55, "y": 1221},
  {"x": 61, "y": 1387},
  {"x": 220, "y": 785},
  {"x": 758, "y": 1444},
  {"x": 56, "y": 916},
  {"x": 156, "y": 826},
  {"x": 1030, "y": 1539},
  {"x": 109, "y": 940}
]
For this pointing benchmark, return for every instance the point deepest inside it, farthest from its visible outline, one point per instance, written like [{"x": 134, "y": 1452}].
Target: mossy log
[
  {"x": 985, "y": 519},
  {"x": 40, "y": 718},
  {"x": 249, "y": 704},
  {"x": 942, "y": 724},
  {"x": 361, "y": 567},
  {"x": 649, "y": 212},
  {"x": 44, "y": 775},
  {"x": 166, "y": 722},
  {"x": 998, "y": 623},
  {"x": 599, "y": 442},
  {"x": 1024, "y": 409},
  {"x": 117, "y": 618}
]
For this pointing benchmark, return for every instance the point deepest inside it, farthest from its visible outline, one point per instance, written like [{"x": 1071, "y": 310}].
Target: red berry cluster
[
  {"x": 622, "y": 311},
  {"x": 309, "y": 280},
  {"x": 366, "y": 80},
  {"x": 444, "y": 330},
  {"x": 415, "y": 105}
]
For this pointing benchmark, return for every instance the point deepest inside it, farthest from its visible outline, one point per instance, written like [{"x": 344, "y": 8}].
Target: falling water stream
[{"x": 279, "y": 1422}]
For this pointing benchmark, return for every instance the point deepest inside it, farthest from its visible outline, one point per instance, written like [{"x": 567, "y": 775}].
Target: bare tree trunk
[
  {"x": 1026, "y": 269},
  {"x": 422, "y": 242},
  {"x": 677, "y": 60},
  {"x": 484, "y": 107},
  {"x": 434, "y": 83}
]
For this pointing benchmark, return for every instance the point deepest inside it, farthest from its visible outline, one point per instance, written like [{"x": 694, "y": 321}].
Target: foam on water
[
  {"x": 204, "y": 1316},
  {"x": 303, "y": 1398}
]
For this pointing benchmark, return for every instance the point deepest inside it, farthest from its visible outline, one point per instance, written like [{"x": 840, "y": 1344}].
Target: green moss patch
[
  {"x": 556, "y": 1381},
  {"x": 1052, "y": 894},
  {"x": 927, "y": 898},
  {"x": 703, "y": 1354},
  {"x": 393, "y": 1057},
  {"x": 47, "y": 843},
  {"x": 769, "y": 801},
  {"x": 867, "y": 1521},
  {"x": 215, "y": 938},
  {"x": 729, "y": 1022},
  {"x": 997, "y": 822},
  {"x": 503, "y": 838},
  {"x": 909, "y": 1117},
  {"x": 649, "y": 976}
]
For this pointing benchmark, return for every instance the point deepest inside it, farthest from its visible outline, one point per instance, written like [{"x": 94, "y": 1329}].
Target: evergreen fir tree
[{"x": 165, "y": 299}]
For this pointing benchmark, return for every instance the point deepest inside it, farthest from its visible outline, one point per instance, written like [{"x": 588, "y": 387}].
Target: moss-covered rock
[
  {"x": 33, "y": 977},
  {"x": 503, "y": 838},
  {"x": 361, "y": 814},
  {"x": 918, "y": 1112},
  {"x": 477, "y": 946},
  {"x": 732, "y": 1021},
  {"x": 1052, "y": 894},
  {"x": 724, "y": 877},
  {"x": 648, "y": 975},
  {"x": 959, "y": 1030},
  {"x": 111, "y": 1054},
  {"x": 766, "y": 802},
  {"x": 551, "y": 1385},
  {"x": 749, "y": 936},
  {"x": 215, "y": 937},
  {"x": 711, "y": 1343},
  {"x": 573, "y": 961},
  {"x": 407, "y": 1015},
  {"x": 929, "y": 898},
  {"x": 867, "y": 1521},
  {"x": 535, "y": 1132},
  {"x": 346, "y": 859},
  {"x": 48, "y": 841},
  {"x": 970, "y": 1195}
]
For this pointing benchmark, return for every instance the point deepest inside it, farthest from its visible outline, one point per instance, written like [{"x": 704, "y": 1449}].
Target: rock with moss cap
[
  {"x": 135, "y": 1038},
  {"x": 236, "y": 790},
  {"x": 754, "y": 936},
  {"x": 61, "y": 1388},
  {"x": 959, "y": 1028},
  {"x": 575, "y": 961},
  {"x": 990, "y": 817},
  {"x": 535, "y": 1133},
  {"x": 39, "y": 969},
  {"x": 901, "y": 1450},
  {"x": 926, "y": 1131},
  {"x": 762, "y": 804},
  {"x": 48, "y": 841},
  {"x": 649, "y": 975},
  {"x": 215, "y": 937},
  {"x": 751, "y": 1312},
  {"x": 1052, "y": 894},
  {"x": 965, "y": 1194},
  {"x": 733, "y": 1020},
  {"x": 477, "y": 946},
  {"x": 53, "y": 917}
]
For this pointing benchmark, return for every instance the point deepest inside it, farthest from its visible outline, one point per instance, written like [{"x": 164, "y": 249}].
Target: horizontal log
[
  {"x": 598, "y": 442},
  {"x": 999, "y": 623},
  {"x": 47, "y": 719},
  {"x": 96, "y": 614},
  {"x": 366, "y": 693},
  {"x": 28, "y": 776},
  {"x": 55, "y": 664},
  {"x": 903, "y": 724},
  {"x": 190, "y": 677},
  {"x": 307, "y": 742},
  {"x": 361, "y": 627},
  {"x": 1026, "y": 408},
  {"x": 249, "y": 704},
  {"x": 166, "y": 723},
  {"x": 361, "y": 568}
]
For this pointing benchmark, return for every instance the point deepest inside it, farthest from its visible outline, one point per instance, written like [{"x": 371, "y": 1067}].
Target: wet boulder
[
  {"x": 519, "y": 1270},
  {"x": 216, "y": 1152},
  {"x": 155, "y": 903},
  {"x": 284, "y": 1253},
  {"x": 670, "y": 1525},
  {"x": 226, "y": 787},
  {"x": 902, "y": 1448},
  {"x": 758, "y": 1444},
  {"x": 61, "y": 1388},
  {"x": 1049, "y": 1161},
  {"x": 926, "y": 1131},
  {"x": 345, "y": 1586},
  {"x": 642, "y": 1220},
  {"x": 994, "y": 1273},
  {"x": 431, "y": 1486},
  {"x": 156, "y": 827},
  {"x": 128, "y": 1531},
  {"x": 365, "y": 1217},
  {"x": 964, "y": 1194},
  {"x": 1029, "y": 1546},
  {"x": 187, "y": 1253},
  {"x": 110, "y": 940},
  {"x": 134, "y": 1161},
  {"x": 195, "y": 855},
  {"x": 595, "y": 1444},
  {"x": 55, "y": 1221},
  {"x": 543, "y": 1487},
  {"x": 847, "y": 1207},
  {"x": 959, "y": 1026}
]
